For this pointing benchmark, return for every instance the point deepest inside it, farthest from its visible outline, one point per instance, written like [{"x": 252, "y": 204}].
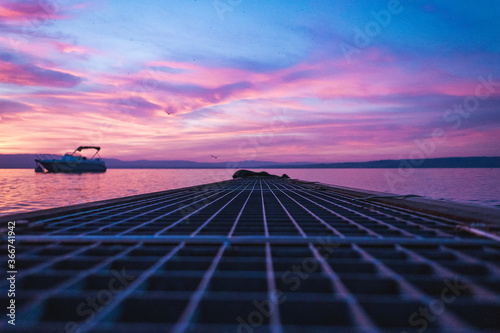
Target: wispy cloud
[
  {"x": 28, "y": 10},
  {"x": 30, "y": 75},
  {"x": 175, "y": 82}
]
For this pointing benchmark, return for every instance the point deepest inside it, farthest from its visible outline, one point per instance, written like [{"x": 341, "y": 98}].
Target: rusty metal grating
[{"x": 254, "y": 255}]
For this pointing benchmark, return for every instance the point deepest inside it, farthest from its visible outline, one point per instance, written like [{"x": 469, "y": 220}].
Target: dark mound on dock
[{"x": 248, "y": 173}]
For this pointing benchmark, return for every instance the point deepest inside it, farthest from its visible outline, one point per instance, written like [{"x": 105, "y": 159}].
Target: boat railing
[{"x": 44, "y": 157}]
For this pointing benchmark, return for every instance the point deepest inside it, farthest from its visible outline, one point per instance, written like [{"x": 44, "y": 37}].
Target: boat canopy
[
  {"x": 79, "y": 149},
  {"x": 87, "y": 147}
]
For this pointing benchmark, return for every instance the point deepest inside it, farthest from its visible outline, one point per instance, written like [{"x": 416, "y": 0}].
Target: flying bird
[{"x": 216, "y": 157}]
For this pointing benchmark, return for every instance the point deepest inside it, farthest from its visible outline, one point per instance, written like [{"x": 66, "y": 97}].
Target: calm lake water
[{"x": 24, "y": 190}]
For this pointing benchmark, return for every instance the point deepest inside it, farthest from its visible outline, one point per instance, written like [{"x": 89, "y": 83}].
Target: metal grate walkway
[{"x": 253, "y": 255}]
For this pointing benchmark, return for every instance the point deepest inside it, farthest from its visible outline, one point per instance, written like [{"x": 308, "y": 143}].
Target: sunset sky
[{"x": 315, "y": 81}]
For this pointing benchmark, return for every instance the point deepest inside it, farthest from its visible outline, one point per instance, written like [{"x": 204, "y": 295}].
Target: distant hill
[
  {"x": 446, "y": 162},
  {"x": 17, "y": 161},
  {"x": 23, "y": 161},
  {"x": 146, "y": 164}
]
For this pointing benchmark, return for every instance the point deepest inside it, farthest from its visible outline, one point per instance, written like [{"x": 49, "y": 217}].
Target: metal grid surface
[{"x": 254, "y": 255}]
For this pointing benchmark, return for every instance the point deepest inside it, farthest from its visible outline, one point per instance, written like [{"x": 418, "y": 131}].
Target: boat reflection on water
[{"x": 73, "y": 162}]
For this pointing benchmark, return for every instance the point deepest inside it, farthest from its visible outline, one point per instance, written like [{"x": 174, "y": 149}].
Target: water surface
[{"x": 24, "y": 190}]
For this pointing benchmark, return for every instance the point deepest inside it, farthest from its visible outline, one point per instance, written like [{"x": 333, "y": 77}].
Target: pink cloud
[
  {"x": 35, "y": 10},
  {"x": 67, "y": 48},
  {"x": 330, "y": 110},
  {"x": 183, "y": 88},
  {"x": 325, "y": 80},
  {"x": 26, "y": 75}
]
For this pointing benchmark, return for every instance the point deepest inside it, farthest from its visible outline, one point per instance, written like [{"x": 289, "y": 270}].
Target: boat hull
[{"x": 75, "y": 167}]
